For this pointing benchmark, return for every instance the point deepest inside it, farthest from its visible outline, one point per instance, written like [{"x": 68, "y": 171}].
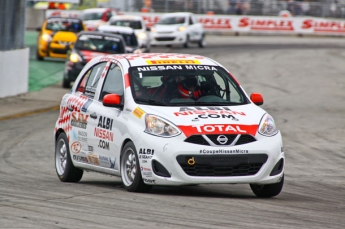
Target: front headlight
[
  {"x": 181, "y": 29},
  {"x": 46, "y": 37},
  {"x": 74, "y": 57},
  {"x": 159, "y": 127},
  {"x": 141, "y": 36},
  {"x": 267, "y": 126}
]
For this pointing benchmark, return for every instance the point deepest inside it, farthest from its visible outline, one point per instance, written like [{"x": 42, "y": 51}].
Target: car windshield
[
  {"x": 62, "y": 24},
  {"x": 91, "y": 16},
  {"x": 171, "y": 20},
  {"x": 99, "y": 43},
  {"x": 127, "y": 23},
  {"x": 129, "y": 38},
  {"x": 184, "y": 85}
]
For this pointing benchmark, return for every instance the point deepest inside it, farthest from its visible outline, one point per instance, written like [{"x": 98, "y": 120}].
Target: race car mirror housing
[
  {"x": 112, "y": 100},
  {"x": 257, "y": 98}
]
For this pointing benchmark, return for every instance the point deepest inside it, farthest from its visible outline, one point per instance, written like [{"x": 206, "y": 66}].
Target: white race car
[
  {"x": 138, "y": 24},
  {"x": 181, "y": 28},
  {"x": 167, "y": 119}
]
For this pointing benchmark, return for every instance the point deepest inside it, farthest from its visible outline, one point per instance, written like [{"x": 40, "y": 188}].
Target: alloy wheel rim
[
  {"x": 61, "y": 157},
  {"x": 129, "y": 167}
]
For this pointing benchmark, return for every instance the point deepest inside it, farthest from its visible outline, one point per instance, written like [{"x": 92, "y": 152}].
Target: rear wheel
[
  {"x": 130, "y": 171},
  {"x": 267, "y": 190},
  {"x": 64, "y": 167},
  {"x": 202, "y": 42}
]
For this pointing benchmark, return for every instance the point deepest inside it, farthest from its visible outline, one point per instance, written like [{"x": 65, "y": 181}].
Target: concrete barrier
[{"x": 14, "y": 72}]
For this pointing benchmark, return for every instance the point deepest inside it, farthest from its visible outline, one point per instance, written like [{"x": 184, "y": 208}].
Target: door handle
[{"x": 93, "y": 115}]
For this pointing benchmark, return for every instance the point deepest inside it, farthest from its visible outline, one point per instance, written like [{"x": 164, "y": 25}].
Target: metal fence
[
  {"x": 321, "y": 8},
  {"x": 12, "y": 24}
]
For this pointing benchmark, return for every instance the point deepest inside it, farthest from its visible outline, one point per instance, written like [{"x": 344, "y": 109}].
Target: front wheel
[
  {"x": 38, "y": 56},
  {"x": 66, "y": 83},
  {"x": 267, "y": 190},
  {"x": 64, "y": 167},
  {"x": 130, "y": 171},
  {"x": 187, "y": 43}
]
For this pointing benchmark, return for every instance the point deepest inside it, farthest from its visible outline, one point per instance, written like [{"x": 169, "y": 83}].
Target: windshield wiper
[{"x": 151, "y": 101}]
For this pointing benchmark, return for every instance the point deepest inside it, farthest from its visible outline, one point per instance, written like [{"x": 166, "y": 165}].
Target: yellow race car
[{"x": 56, "y": 35}]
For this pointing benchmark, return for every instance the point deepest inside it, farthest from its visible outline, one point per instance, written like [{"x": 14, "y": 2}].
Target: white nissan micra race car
[{"x": 167, "y": 119}]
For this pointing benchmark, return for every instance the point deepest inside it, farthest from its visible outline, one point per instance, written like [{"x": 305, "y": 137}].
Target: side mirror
[
  {"x": 112, "y": 100},
  {"x": 148, "y": 29},
  {"x": 257, "y": 98}
]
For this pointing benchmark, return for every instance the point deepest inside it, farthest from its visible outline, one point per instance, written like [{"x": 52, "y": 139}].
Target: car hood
[
  {"x": 64, "y": 36},
  {"x": 167, "y": 28},
  {"x": 243, "y": 119}
]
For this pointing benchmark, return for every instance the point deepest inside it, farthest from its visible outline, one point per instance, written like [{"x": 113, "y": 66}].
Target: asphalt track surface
[{"x": 303, "y": 82}]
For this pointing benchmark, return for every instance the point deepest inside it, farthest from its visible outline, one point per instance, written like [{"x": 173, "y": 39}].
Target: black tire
[
  {"x": 130, "y": 170},
  {"x": 66, "y": 83},
  {"x": 38, "y": 57},
  {"x": 202, "y": 42},
  {"x": 187, "y": 44},
  {"x": 64, "y": 167},
  {"x": 267, "y": 190}
]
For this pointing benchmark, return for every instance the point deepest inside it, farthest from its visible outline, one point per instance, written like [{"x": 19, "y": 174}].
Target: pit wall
[
  {"x": 14, "y": 72},
  {"x": 245, "y": 24}
]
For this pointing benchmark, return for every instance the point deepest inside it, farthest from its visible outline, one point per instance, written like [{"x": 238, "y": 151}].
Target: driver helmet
[{"x": 187, "y": 86}]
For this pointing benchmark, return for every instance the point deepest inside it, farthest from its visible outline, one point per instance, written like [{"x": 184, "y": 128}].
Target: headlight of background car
[
  {"x": 267, "y": 126},
  {"x": 181, "y": 29},
  {"x": 141, "y": 36},
  {"x": 74, "y": 57},
  {"x": 46, "y": 37},
  {"x": 159, "y": 127}
]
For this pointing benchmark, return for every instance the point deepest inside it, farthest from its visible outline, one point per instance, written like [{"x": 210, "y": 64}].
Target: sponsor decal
[
  {"x": 112, "y": 164},
  {"x": 79, "y": 120},
  {"x": 138, "y": 112},
  {"x": 144, "y": 161},
  {"x": 149, "y": 157},
  {"x": 90, "y": 148},
  {"x": 86, "y": 105},
  {"x": 76, "y": 147},
  {"x": 273, "y": 24},
  {"x": 219, "y": 129},
  {"x": 93, "y": 159},
  {"x": 146, "y": 151},
  {"x": 82, "y": 136},
  {"x": 226, "y": 116},
  {"x": 324, "y": 26},
  {"x": 80, "y": 158},
  {"x": 207, "y": 111},
  {"x": 106, "y": 123},
  {"x": 104, "y": 134},
  {"x": 216, "y": 23},
  {"x": 201, "y": 67},
  {"x": 151, "y": 62},
  {"x": 149, "y": 181},
  {"x": 104, "y": 158},
  {"x": 103, "y": 145},
  {"x": 145, "y": 169},
  {"x": 224, "y": 151}
]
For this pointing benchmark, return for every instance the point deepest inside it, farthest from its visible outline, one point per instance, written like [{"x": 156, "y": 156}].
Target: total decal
[
  {"x": 145, "y": 172},
  {"x": 218, "y": 129}
]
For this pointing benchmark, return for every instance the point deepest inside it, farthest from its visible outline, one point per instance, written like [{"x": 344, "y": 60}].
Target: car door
[
  {"x": 194, "y": 28},
  {"x": 105, "y": 122}
]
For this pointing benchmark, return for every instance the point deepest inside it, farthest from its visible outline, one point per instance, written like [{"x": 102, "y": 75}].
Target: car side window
[
  {"x": 191, "y": 21},
  {"x": 113, "y": 83},
  {"x": 92, "y": 77}
]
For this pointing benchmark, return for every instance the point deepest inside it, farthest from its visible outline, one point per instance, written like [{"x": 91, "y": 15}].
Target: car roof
[
  {"x": 95, "y": 10},
  {"x": 151, "y": 59},
  {"x": 114, "y": 28},
  {"x": 127, "y": 17},
  {"x": 99, "y": 33},
  {"x": 177, "y": 14}
]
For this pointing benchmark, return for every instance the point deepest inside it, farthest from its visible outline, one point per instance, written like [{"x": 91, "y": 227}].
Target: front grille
[
  {"x": 233, "y": 139},
  {"x": 165, "y": 38},
  {"x": 221, "y": 165}
]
